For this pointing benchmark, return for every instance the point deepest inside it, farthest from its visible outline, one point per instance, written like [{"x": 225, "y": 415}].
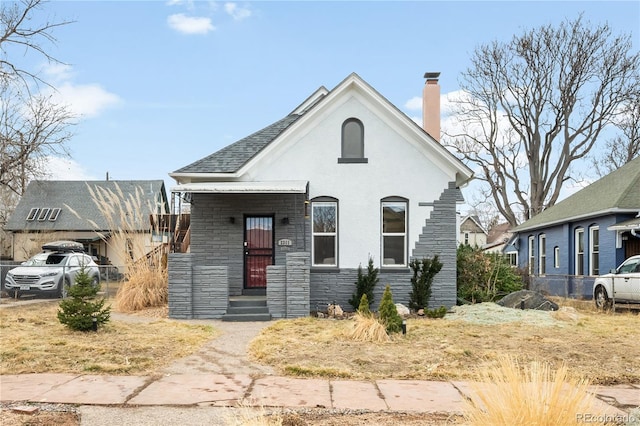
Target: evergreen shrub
[{"x": 78, "y": 311}]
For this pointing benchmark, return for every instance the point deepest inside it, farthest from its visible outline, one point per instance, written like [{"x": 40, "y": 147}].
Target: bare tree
[
  {"x": 19, "y": 32},
  {"x": 535, "y": 105},
  {"x": 621, "y": 149},
  {"x": 31, "y": 127}
]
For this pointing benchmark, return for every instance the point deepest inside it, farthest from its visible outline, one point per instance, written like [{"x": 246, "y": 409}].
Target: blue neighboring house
[{"x": 585, "y": 235}]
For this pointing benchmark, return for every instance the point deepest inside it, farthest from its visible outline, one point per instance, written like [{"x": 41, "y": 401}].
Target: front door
[{"x": 258, "y": 250}]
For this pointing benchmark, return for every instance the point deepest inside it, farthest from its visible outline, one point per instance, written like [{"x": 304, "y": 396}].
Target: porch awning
[
  {"x": 626, "y": 225},
  {"x": 253, "y": 187}
]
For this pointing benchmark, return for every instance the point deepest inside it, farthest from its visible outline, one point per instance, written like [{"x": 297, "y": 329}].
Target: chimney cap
[{"x": 431, "y": 75}]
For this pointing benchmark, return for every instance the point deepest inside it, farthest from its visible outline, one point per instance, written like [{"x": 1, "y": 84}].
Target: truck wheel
[{"x": 602, "y": 299}]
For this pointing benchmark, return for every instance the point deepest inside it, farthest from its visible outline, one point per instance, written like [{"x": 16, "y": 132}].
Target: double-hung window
[
  {"x": 394, "y": 233},
  {"x": 578, "y": 244},
  {"x": 542, "y": 256},
  {"x": 324, "y": 248},
  {"x": 594, "y": 250},
  {"x": 532, "y": 255}
]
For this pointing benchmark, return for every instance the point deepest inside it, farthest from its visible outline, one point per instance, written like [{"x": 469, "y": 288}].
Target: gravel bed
[{"x": 491, "y": 313}]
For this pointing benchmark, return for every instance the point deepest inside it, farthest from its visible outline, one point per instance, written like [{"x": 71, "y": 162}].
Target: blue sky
[{"x": 162, "y": 84}]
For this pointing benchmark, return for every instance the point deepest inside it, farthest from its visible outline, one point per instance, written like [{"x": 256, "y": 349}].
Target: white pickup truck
[{"x": 621, "y": 284}]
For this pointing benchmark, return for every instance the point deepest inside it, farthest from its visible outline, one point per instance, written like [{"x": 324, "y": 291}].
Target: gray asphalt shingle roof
[
  {"x": 232, "y": 157},
  {"x": 67, "y": 195},
  {"x": 619, "y": 190}
]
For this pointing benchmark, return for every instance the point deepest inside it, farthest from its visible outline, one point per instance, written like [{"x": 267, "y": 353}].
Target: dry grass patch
[
  {"x": 599, "y": 346},
  {"x": 33, "y": 341}
]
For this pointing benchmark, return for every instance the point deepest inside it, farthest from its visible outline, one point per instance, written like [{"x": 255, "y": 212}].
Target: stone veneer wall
[
  {"x": 439, "y": 237},
  {"x": 288, "y": 287},
  {"x": 180, "y": 285},
  {"x": 215, "y": 240},
  {"x": 196, "y": 291}
]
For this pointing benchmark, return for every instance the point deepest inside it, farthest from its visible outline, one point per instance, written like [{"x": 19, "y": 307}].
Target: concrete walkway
[{"x": 220, "y": 390}]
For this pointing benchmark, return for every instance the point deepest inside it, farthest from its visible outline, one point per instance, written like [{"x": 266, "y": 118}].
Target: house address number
[{"x": 285, "y": 242}]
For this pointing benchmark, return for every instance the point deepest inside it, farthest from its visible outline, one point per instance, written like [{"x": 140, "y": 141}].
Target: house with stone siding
[
  {"x": 282, "y": 219},
  {"x": 585, "y": 235}
]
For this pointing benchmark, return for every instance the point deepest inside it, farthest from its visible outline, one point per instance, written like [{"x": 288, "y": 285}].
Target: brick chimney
[{"x": 431, "y": 105}]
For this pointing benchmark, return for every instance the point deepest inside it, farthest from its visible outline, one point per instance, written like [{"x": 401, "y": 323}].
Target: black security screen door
[{"x": 258, "y": 250}]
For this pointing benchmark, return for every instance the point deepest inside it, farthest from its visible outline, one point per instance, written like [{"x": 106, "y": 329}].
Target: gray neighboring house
[
  {"x": 288, "y": 214},
  {"x": 64, "y": 210},
  {"x": 585, "y": 235}
]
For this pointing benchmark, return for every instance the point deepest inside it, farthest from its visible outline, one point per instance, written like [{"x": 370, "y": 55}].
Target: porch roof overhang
[
  {"x": 245, "y": 187},
  {"x": 633, "y": 224}
]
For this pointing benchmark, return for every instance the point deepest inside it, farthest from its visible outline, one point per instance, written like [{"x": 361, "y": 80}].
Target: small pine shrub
[
  {"x": 388, "y": 312},
  {"x": 363, "y": 308},
  {"x": 365, "y": 284},
  {"x": 436, "y": 313},
  {"x": 423, "y": 273},
  {"x": 78, "y": 311}
]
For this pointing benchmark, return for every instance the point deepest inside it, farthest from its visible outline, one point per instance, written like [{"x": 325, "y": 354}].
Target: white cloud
[
  {"x": 58, "y": 168},
  {"x": 236, "y": 12},
  {"x": 414, "y": 104},
  {"x": 190, "y": 24},
  {"x": 86, "y": 100},
  {"x": 58, "y": 72}
]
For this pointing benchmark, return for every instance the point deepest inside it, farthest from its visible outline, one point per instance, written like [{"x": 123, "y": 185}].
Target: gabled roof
[
  {"x": 234, "y": 159},
  {"x": 618, "y": 192},
  {"x": 74, "y": 196},
  {"x": 476, "y": 221}
]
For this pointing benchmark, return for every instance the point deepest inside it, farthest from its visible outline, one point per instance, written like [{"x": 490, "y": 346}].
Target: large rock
[
  {"x": 531, "y": 299},
  {"x": 403, "y": 311}
]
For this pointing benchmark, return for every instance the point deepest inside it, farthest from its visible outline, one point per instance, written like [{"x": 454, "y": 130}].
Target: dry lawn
[
  {"x": 601, "y": 347},
  {"x": 33, "y": 341}
]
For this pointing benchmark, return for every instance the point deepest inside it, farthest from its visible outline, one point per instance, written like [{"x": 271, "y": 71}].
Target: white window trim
[
  {"x": 556, "y": 257},
  {"x": 542, "y": 254},
  {"x": 393, "y": 234},
  {"x": 531, "y": 255},
  {"x": 592, "y": 252},
  {"x": 576, "y": 239},
  {"x": 33, "y": 214},
  {"x": 325, "y": 234}
]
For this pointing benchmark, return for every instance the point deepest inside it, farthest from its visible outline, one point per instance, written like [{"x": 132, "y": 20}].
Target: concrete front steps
[{"x": 247, "y": 308}]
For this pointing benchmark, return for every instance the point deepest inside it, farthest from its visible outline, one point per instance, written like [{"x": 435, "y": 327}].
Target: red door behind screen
[{"x": 258, "y": 250}]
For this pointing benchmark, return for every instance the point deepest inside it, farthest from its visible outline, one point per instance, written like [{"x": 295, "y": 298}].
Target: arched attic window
[{"x": 352, "y": 142}]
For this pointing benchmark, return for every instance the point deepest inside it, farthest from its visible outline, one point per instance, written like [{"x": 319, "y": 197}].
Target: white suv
[
  {"x": 622, "y": 284},
  {"x": 50, "y": 273}
]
